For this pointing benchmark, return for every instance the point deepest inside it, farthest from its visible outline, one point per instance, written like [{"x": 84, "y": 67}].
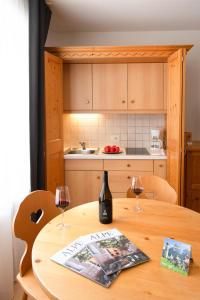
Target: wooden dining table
[{"x": 146, "y": 229}]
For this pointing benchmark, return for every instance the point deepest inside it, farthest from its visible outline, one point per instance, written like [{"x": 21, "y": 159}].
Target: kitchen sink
[{"x": 82, "y": 151}]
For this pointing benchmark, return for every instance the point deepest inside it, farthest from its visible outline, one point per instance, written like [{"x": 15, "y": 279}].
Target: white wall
[{"x": 149, "y": 38}]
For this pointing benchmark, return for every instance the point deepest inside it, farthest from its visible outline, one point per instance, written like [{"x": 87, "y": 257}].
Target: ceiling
[{"x": 124, "y": 15}]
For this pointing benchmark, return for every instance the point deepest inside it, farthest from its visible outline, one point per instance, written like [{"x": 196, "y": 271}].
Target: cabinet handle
[
  {"x": 128, "y": 177},
  {"x": 161, "y": 166},
  {"x": 87, "y": 101},
  {"x": 128, "y": 165},
  {"x": 98, "y": 177},
  {"x": 132, "y": 101},
  {"x": 123, "y": 101}
]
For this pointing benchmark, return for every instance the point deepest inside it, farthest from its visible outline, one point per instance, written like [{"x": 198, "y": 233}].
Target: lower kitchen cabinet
[
  {"x": 84, "y": 186},
  {"x": 160, "y": 168},
  {"x": 120, "y": 181},
  {"x": 84, "y": 177}
]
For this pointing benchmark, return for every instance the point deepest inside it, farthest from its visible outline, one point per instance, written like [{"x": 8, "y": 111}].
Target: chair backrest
[
  {"x": 35, "y": 211},
  {"x": 156, "y": 188}
]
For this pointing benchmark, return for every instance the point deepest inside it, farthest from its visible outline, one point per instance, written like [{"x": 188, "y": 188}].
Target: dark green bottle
[{"x": 105, "y": 202}]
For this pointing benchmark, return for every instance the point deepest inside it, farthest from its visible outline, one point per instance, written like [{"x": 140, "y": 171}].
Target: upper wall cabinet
[
  {"x": 134, "y": 87},
  {"x": 146, "y": 86},
  {"x": 110, "y": 86},
  {"x": 77, "y": 87}
]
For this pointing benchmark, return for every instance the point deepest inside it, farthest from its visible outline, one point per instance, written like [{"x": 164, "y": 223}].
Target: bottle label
[{"x": 105, "y": 212}]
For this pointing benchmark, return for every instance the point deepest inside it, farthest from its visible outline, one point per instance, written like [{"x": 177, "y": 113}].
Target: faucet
[{"x": 83, "y": 145}]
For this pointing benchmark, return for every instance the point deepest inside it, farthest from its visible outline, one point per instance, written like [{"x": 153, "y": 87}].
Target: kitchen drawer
[
  {"x": 83, "y": 164},
  {"x": 120, "y": 181},
  {"x": 129, "y": 164},
  {"x": 160, "y": 168}
]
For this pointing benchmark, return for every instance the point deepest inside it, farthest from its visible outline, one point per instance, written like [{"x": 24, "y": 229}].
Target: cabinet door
[
  {"x": 84, "y": 186},
  {"x": 53, "y": 121},
  {"x": 175, "y": 123},
  {"x": 120, "y": 181},
  {"x": 77, "y": 87},
  {"x": 110, "y": 86},
  {"x": 193, "y": 200},
  {"x": 146, "y": 86},
  {"x": 160, "y": 168}
]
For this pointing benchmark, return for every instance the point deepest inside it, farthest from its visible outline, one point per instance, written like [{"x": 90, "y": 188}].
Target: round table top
[{"x": 146, "y": 229}]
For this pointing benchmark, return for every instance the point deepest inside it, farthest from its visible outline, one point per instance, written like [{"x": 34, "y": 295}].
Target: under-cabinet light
[{"x": 85, "y": 116}]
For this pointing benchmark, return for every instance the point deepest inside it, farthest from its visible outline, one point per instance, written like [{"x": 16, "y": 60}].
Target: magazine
[
  {"x": 77, "y": 257},
  {"x": 113, "y": 251},
  {"x": 176, "y": 256}
]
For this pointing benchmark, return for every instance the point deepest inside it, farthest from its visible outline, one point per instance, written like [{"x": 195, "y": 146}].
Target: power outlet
[{"x": 114, "y": 139}]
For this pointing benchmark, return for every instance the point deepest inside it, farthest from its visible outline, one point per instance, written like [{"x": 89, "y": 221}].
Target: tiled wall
[{"x": 96, "y": 129}]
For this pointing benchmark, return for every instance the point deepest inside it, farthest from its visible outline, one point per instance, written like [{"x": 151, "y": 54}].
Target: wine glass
[
  {"x": 62, "y": 201},
  {"x": 137, "y": 188}
]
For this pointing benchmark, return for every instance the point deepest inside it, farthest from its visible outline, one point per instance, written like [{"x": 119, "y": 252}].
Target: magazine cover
[
  {"x": 77, "y": 257},
  {"x": 176, "y": 256},
  {"x": 113, "y": 250}
]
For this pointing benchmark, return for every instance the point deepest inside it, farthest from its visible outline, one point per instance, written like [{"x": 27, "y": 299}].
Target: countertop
[{"x": 123, "y": 155}]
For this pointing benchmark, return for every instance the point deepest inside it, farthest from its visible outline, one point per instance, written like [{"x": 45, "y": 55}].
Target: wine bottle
[{"x": 105, "y": 202}]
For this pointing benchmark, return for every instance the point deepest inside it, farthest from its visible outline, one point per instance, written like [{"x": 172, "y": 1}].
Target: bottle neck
[{"x": 105, "y": 178}]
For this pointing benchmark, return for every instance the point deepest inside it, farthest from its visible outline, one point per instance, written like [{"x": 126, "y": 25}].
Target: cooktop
[{"x": 137, "y": 151}]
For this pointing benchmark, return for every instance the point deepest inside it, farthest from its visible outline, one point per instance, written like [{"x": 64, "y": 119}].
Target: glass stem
[
  {"x": 62, "y": 222},
  {"x": 137, "y": 202}
]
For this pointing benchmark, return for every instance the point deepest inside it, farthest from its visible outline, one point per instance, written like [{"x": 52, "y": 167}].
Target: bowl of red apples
[{"x": 112, "y": 149}]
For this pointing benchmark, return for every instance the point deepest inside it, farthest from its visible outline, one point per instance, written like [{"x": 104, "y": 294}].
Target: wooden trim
[
  {"x": 174, "y": 121},
  {"x": 182, "y": 179},
  {"x": 118, "y": 54}
]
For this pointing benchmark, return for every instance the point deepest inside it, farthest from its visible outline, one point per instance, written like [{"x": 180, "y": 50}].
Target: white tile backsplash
[{"x": 96, "y": 129}]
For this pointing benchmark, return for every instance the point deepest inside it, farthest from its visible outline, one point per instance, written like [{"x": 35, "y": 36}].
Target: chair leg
[{"x": 24, "y": 296}]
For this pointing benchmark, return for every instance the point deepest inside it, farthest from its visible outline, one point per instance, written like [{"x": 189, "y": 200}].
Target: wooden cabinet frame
[{"x": 174, "y": 57}]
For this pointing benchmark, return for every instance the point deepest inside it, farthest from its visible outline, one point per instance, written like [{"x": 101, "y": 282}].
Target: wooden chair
[
  {"x": 156, "y": 188},
  {"x": 35, "y": 211}
]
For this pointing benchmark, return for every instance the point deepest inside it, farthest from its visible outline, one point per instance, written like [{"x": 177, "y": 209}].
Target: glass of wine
[
  {"x": 137, "y": 189},
  {"x": 62, "y": 201}
]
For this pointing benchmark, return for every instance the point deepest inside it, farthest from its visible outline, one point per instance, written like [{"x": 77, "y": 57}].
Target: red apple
[
  {"x": 118, "y": 149},
  {"x": 107, "y": 148},
  {"x": 114, "y": 148}
]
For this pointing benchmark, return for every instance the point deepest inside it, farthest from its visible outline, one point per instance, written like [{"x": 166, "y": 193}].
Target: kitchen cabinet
[
  {"x": 146, "y": 86},
  {"x": 170, "y": 57},
  {"x": 160, "y": 168},
  {"x": 122, "y": 171},
  {"x": 84, "y": 177},
  {"x": 77, "y": 87},
  {"x": 114, "y": 87},
  {"x": 110, "y": 86},
  {"x": 84, "y": 186},
  {"x": 192, "y": 177}
]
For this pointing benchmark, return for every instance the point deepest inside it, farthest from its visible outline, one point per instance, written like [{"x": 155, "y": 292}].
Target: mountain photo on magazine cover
[{"x": 114, "y": 251}]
